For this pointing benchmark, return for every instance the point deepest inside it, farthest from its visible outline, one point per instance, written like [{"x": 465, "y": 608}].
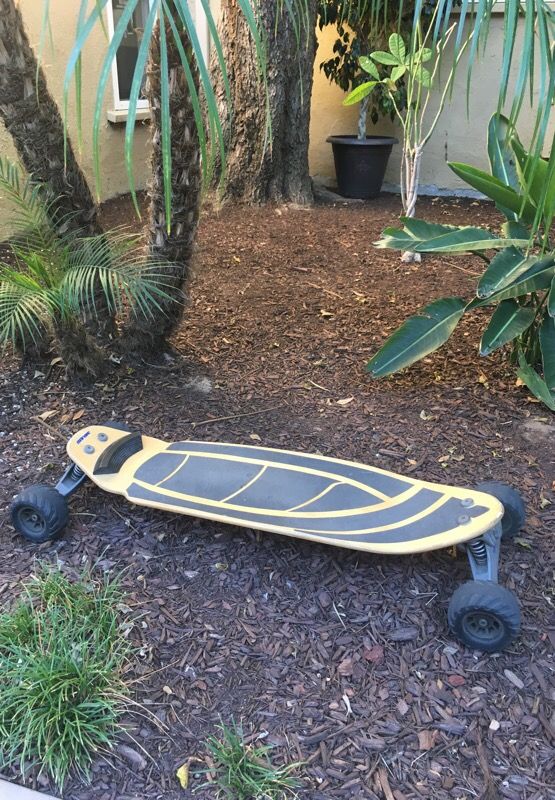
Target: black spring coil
[
  {"x": 479, "y": 551},
  {"x": 77, "y": 471}
]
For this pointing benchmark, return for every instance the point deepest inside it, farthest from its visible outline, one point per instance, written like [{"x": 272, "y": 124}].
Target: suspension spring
[
  {"x": 479, "y": 551},
  {"x": 77, "y": 471}
]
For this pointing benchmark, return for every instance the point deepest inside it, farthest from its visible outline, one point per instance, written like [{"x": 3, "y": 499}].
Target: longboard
[{"x": 313, "y": 497}]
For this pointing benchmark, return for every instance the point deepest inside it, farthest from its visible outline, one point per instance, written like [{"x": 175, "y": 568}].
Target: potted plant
[{"x": 360, "y": 159}]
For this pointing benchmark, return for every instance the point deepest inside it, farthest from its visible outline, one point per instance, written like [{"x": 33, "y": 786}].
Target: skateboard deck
[{"x": 313, "y": 497}]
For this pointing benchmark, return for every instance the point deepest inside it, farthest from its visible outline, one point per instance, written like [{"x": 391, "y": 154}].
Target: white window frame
[{"x": 121, "y": 107}]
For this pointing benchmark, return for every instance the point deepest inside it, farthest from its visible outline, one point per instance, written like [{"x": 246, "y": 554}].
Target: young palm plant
[{"x": 49, "y": 282}]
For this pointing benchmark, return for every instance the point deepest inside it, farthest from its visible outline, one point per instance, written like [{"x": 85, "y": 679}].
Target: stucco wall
[
  {"x": 458, "y": 136},
  {"x": 114, "y": 177}
]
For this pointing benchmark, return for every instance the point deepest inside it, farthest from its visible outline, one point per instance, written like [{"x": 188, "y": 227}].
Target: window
[{"x": 126, "y": 56}]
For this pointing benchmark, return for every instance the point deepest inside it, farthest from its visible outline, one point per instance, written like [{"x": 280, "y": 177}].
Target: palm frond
[
  {"x": 24, "y": 312},
  {"x": 116, "y": 266}
]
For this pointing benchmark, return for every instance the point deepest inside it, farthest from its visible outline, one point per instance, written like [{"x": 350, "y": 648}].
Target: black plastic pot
[{"x": 360, "y": 164}]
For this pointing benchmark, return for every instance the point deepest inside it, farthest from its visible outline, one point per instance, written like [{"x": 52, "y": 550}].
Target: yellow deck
[{"x": 306, "y": 496}]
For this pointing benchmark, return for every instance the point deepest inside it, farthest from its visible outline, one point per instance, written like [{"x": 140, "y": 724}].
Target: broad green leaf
[
  {"x": 398, "y": 72},
  {"x": 368, "y": 66},
  {"x": 551, "y": 300},
  {"x": 421, "y": 229},
  {"x": 395, "y": 239},
  {"x": 466, "y": 240},
  {"x": 424, "y": 237},
  {"x": 359, "y": 93},
  {"x": 418, "y": 336},
  {"x": 536, "y": 279},
  {"x": 515, "y": 230},
  {"x": 504, "y": 268},
  {"x": 509, "y": 320},
  {"x": 424, "y": 54},
  {"x": 384, "y": 58},
  {"x": 503, "y": 196},
  {"x": 397, "y": 47},
  {"x": 537, "y": 385},
  {"x": 424, "y": 76},
  {"x": 502, "y": 158},
  {"x": 538, "y": 180},
  {"x": 547, "y": 344}
]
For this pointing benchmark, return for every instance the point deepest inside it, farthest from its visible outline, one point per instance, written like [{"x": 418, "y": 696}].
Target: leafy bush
[
  {"x": 244, "y": 772},
  {"x": 519, "y": 280},
  {"x": 51, "y": 279},
  {"x": 358, "y": 32},
  {"x": 62, "y": 652}
]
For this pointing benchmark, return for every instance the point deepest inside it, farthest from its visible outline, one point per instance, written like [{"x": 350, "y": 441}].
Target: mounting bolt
[
  {"x": 463, "y": 519},
  {"x": 88, "y": 448},
  {"x": 102, "y": 437},
  {"x": 467, "y": 502}
]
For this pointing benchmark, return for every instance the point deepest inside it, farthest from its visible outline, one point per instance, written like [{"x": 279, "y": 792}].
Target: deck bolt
[
  {"x": 463, "y": 519},
  {"x": 467, "y": 502},
  {"x": 102, "y": 437},
  {"x": 88, "y": 449}
]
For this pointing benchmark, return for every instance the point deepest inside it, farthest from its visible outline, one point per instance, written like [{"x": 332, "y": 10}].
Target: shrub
[
  {"x": 519, "y": 279},
  {"x": 245, "y": 772},
  {"x": 62, "y": 652},
  {"x": 52, "y": 280}
]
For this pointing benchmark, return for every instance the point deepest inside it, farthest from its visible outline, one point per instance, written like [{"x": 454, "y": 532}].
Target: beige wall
[
  {"x": 114, "y": 176},
  {"x": 458, "y": 137}
]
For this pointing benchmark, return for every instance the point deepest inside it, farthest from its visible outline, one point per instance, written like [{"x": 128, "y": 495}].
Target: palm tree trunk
[
  {"x": 82, "y": 358},
  {"x": 36, "y": 126},
  {"x": 147, "y": 334},
  {"x": 259, "y": 171}
]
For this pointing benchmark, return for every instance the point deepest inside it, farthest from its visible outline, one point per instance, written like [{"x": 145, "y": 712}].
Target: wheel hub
[
  {"x": 32, "y": 521},
  {"x": 483, "y": 625}
]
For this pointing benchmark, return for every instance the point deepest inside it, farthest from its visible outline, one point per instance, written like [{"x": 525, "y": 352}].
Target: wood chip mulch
[{"x": 338, "y": 659}]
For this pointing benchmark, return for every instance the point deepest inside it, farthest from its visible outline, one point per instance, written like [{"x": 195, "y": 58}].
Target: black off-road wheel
[
  {"x": 515, "y": 511},
  {"x": 484, "y": 616},
  {"x": 39, "y": 513}
]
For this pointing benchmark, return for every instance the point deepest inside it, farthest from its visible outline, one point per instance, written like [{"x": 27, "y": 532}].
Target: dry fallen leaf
[
  {"x": 346, "y": 667},
  {"x": 345, "y": 401},
  {"x": 47, "y": 414},
  {"x": 426, "y": 739},
  {"x": 182, "y": 775},
  {"x": 514, "y": 679},
  {"x": 78, "y": 414}
]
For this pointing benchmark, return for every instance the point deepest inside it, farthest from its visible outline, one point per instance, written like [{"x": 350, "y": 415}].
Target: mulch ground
[{"x": 339, "y": 659}]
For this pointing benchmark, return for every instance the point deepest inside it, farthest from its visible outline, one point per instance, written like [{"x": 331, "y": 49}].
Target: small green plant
[
  {"x": 62, "y": 652},
  {"x": 245, "y": 772},
  {"x": 358, "y": 31},
  {"x": 418, "y": 67},
  {"x": 519, "y": 279},
  {"x": 51, "y": 281}
]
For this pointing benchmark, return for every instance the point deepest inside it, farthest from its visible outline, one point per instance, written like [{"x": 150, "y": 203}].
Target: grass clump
[
  {"x": 62, "y": 652},
  {"x": 245, "y": 772}
]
